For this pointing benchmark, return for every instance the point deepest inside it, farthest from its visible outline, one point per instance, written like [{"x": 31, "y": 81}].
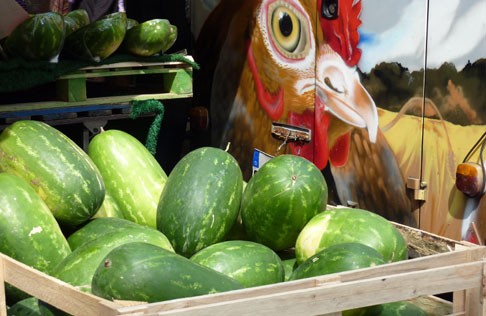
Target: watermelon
[
  {"x": 280, "y": 199},
  {"x": 26, "y": 307},
  {"x": 29, "y": 232},
  {"x": 74, "y": 20},
  {"x": 61, "y": 173},
  {"x": 132, "y": 176},
  {"x": 200, "y": 200},
  {"x": 99, "y": 39},
  {"x": 401, "y": 308},
  {"x": 341, "y": 225},
  {"x": 39, "y": 37},
  {"x": 338, "y": 258},
  {"x": 96, "y": 228},
  {"x": 109, "y": 208},
  {"x": 289, "y": 266},
  {"x": 249, "y": 263},
  {"x": 144, "y": 272},
  {"x": 131, "y": 23},
  {"x": 31, "y": 306},
  {"x": 150, "y": 37},
  {"x": 78, "y": 267}
]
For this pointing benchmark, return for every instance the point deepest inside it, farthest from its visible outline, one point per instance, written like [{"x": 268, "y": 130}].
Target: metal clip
[{"x": 290, "y": 133}]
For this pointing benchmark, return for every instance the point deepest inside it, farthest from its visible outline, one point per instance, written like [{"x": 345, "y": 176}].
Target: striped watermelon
[
  {"x": 150, "y": 37},
  {"x": 132, "y": 176},
  {"x": 26, "y": 307},
  {"x": 39, "y": 37},
  {"x": 342, "y": 225},
  {"x": 249, "y": 263},
  {"x": 200, "y": 200},
  {"x": 75, "y": 19},
  {"x": 401, "y": 308},
  {"x": 96, "y": 228},
  {"x": 144, "y": 272},
  {"x": 131, "y": 23},
  {"x": 29, "y": 232},
  {"x": 338, "y": 258},
  {"x": 59, "y": 170},
  {"x": 289, "y": 266},
  {"x": 99, "y": 39},
  {"x": 280, "y": 199},
  {"x": 109, "y": 208},
  {"x": 79, "y": 266}
]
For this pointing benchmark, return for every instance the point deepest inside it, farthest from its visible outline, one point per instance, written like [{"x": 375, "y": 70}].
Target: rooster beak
[{"x": 341, "y": 92}]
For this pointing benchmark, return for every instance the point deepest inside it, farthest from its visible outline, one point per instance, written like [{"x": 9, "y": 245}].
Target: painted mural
[{"x": 393, "y": 92}]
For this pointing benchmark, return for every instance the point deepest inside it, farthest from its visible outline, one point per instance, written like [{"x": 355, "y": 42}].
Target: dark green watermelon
[
  {"x": 150, "y": 37},
  {"x": 280, "y": 199},
  {"x": 39, "y": 37},
  {"x": 75, "y": 19},
  {"x": 402, "y": 308},
  {"x": 289, "y": 266},
  {"x": 200, "y": 201},
  {"x": 341, "y": 225},
  {"x": 338, "y": 258},
  {"x": 144, "y": 272},
  {"x": 249, "y": 263},
  {"x": 99, "y": 39},
  {"x": 30, "y": 306}
]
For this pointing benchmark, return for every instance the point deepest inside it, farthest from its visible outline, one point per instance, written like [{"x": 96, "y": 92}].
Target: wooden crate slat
[
  {"x": 22, "y": 107},
  {"x": 170, "y": 80},
  {"x": 52, "y": 290},
  {"x": 335, "y": 296},
  {"x": 460, "y": 269}
]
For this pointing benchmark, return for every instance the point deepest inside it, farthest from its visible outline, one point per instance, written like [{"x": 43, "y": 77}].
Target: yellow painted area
[{"x": 445, "y": 146}]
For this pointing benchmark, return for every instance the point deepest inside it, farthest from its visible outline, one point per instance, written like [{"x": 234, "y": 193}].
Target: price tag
[{"x": 259, "y": 159}]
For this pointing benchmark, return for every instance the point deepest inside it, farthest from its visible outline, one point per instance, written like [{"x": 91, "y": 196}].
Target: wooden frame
[
  {"x": 174, "y": 81},
  {"x": 461, "y": 270}
]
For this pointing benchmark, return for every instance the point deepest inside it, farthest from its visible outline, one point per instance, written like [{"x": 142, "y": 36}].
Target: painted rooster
[{"x": 293, "y": 61}]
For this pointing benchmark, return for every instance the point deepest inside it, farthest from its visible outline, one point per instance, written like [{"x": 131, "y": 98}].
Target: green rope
[{"x": 140, "y": 107}]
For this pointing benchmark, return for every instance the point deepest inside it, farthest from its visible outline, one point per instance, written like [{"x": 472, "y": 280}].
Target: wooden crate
[
  {"x": 100, "y": 90},
  {"x": 439, "y": 266}
]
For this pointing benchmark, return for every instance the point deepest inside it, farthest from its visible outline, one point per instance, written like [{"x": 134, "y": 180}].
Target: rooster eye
[{"x": 288, "y": 30}]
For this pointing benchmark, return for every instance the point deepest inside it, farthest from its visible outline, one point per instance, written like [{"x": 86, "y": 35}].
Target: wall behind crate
[{"x": 426, "y": 122}]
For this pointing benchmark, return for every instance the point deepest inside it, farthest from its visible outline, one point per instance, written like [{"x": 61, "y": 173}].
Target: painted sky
[{"x": 395, "y": 31}]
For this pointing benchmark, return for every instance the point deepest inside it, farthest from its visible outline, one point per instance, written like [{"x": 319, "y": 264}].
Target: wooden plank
[
  {"x": 130, "y": 64},
  {"x": 129, "y": 72},
  {"x": 331, "y": 297},
  {"x": 20, "y": 107},
  {"x": 423, "y": 263},
  {"x": 3, "y": 299},
  {"x": 52, "y": 290}
]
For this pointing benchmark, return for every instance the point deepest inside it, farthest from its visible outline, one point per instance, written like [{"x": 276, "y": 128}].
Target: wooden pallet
[
  {"x": 103, "y": 88},
  {"x": 446, "y": 266}
]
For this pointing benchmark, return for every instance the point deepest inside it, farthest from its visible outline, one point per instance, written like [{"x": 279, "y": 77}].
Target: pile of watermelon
[
  {"x": 111, "y": 222},
  {"x": 44, "y": 36}
]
